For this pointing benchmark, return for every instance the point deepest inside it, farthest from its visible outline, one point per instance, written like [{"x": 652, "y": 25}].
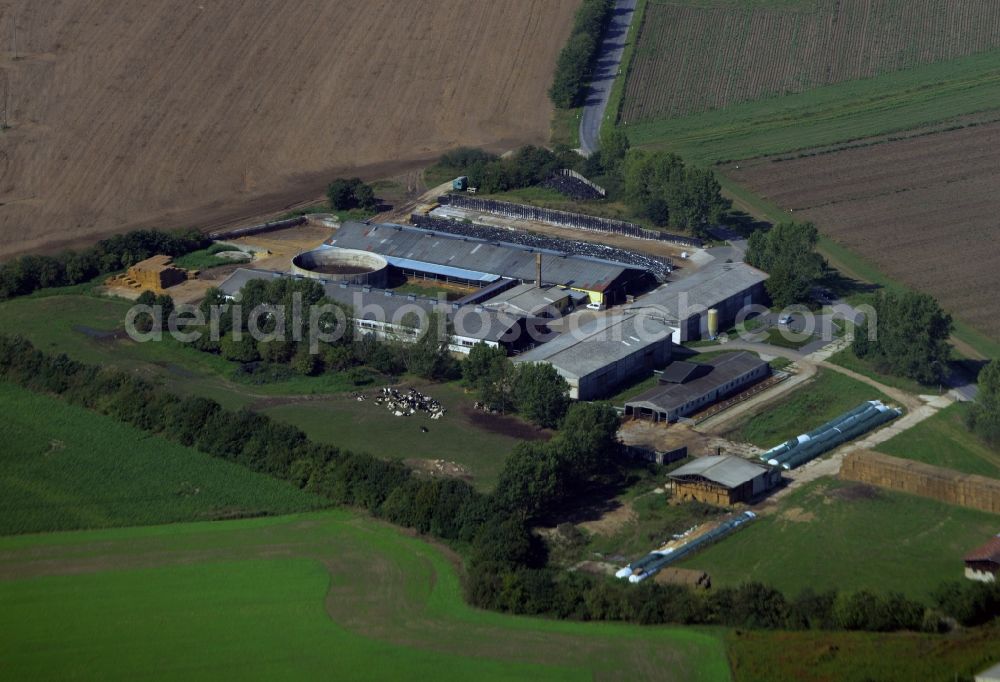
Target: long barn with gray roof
[{"x": 479, "y": 262}]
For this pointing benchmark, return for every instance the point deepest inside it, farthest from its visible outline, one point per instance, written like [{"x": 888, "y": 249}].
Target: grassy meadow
[
  {"x": 823, "y": 398},
  {"x": 829, "y": 115},
  {"x": 85, "y": 328},
  {"x": 365, "y": 426},
  {"x": 63, "y": 467},
  {"x": 943, "y": 440},
  {"x": 327, "y": 595},
  {"x": 835, "y": 534},
  {"x": 861, "y": 656}
]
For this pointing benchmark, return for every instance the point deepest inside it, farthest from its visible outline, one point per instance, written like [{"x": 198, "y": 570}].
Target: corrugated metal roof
[
  {"x": 382, "y": 305},
  {"x": 726, "y": 470},
  {"x": 599, "y": 343},
  {"x": 498, "y": 258},
  {"x": 679, "y": 371},
  {"x": 667, "y": 397},
  {"x": 708, "y": 287}
]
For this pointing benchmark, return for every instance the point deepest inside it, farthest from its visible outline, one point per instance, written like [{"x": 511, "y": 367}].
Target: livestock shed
[
  {"x": 388, "y": 315},
  {"x": 983, "y": 563},
  {"x": 685, "y": 388},
  {"x": 478, "y": 262},
  {"x": 529, "y": 299},
  {"x": 600, "y": 355},
  {"x": 723, "y": 480},
  {"x": 725, "y": 287}
]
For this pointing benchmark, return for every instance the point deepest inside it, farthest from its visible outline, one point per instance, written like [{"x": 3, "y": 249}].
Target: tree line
[
  {"x": 536, "y": 391},
  {"x": 26, "y": 274},
  {"x": 908, "y": 336},
  {"x": 506, "y": 562},
  {"x": 656, "y": 186},
  {"x": 984, "y": 416},
  {"x": 345, "y": 194},
  {"x": 277, "y": 348},
  {"x": 576, "y": 60}
]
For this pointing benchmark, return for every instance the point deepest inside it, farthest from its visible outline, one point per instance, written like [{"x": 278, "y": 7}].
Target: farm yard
[
  {"x": 140, "y": 114},
  {"x": 285, "y": 598},
  {"x": 694, "y": 56},
  {"x": 931, "y": 198}
]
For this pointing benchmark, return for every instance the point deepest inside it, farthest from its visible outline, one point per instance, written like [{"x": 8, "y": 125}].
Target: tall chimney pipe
[{"x": 538, "y": 270}]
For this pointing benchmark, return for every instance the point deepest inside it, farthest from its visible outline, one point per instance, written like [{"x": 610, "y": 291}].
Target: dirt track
[{"x": 146, "y": 113}]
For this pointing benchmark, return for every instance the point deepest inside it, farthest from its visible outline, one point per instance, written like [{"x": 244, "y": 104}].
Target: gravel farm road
[{"x": 605, "y": 70}]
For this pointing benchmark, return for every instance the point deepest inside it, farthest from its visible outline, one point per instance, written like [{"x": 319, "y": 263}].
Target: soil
[
  {"x": 505, "y": 425},
  {"x": 922, "y": 209},
  {"x": 152, "y": 114},
  {"x": 855, "y": 492}
]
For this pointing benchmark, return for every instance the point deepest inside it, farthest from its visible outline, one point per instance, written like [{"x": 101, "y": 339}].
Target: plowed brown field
[
  {"x": 925, "y": 210},
  {"x": 132, "y": 113}
]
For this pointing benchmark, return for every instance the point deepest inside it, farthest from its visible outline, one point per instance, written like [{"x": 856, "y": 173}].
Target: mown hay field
[
  {"x": 63, "y": 467},
  {"x": 922, "y": 209},
  {"x": 832, "y": 534},
  {"x": 316, "y": 596},
  {"x": 695, "y": 56},
  {"x": 140, "y": 113}
]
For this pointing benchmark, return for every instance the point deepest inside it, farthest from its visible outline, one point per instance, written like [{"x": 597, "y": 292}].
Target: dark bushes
[
  {"x": 576, "y": 61},
  {"x": 27, "y": 274}
]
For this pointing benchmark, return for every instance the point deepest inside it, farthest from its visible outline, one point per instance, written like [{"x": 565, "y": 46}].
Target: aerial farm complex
[{"x": 500, "y": 340}]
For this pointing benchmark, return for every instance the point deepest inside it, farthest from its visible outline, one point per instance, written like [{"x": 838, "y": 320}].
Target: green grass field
[
  {"x": 846, "y": 358},
  {"x": 834, "y": 534},
  {"x": 823, "y": 398},
  {"x": 861, "y": 656},
  {"x": 365, "y": 426},
  {"x": 82, "y": 326},
  {"x": 833, "y": 114},
  {"x": 318, "y": 596},
  {"x": 63, "y": 467},
  {"x": 943, "y": 440},
  {"x": 205, "y": 258}
]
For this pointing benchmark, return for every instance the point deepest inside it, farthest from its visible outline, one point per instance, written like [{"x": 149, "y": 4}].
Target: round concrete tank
[
  {"x": 713, "y": 323},
  {"x": 343, "y": 265}
]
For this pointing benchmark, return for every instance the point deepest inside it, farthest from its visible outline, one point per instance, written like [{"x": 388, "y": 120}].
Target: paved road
[{"x": 605, "y": 71}]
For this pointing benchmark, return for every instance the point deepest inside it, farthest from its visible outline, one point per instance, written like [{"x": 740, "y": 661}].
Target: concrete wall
[
  {"x": 696, "y": 326},
  {"x": 916, "y": 478},
  {"x": 308, "y": 264},
  {"x": 981, "y": 576}
]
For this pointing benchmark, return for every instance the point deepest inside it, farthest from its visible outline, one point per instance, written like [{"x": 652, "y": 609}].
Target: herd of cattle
[{"x": 405, "y": 404}]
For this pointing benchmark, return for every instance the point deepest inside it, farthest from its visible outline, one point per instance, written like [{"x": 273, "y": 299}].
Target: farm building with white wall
[
  {"x": 725, "y": 287},
  {"x": 605, "y": 353}
]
